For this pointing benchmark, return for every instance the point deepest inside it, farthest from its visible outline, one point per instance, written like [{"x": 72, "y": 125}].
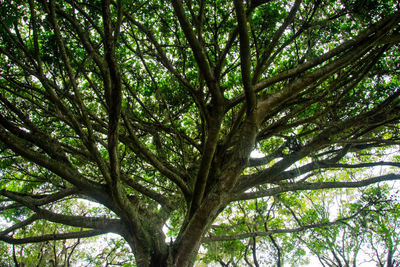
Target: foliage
[{"x": 139, "y": 118}]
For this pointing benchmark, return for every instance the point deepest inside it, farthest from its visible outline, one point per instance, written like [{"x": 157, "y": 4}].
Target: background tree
[
  {"x": 151, "y": 109},
  {"x": 370, "y": 238}
]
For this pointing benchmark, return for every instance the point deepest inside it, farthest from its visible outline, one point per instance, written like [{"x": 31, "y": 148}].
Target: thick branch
[
  {"x": 11, "y": 206},
  {"x": 19, "y": 225},
  {"x": 275, "y": 39},
  {"x": 140, "y": 149},
  {"x": 290, "y": 187},
  {"x": 271, "y": 232},
  {"x": 308, "y": 79},
  {"x": 77, "y": 221},
  {"x": 329, "y": 164},
  {"x": 198, "y": 51},
  {"x": 253, "y": 162},
  {"x": 113, "y": 87},
  {"x": 163, "y": 57},
  {"x": 205, "y": 164},
  {"x": 58, "y": 167},
  {"x": 40, "y": 200},
  {"x": 51, "y": 237},
  {"x": 87, "y": 138},
  {"x": 160, "y": 198},
  {"x": 84, "y": 38},
  {"x": 245, "y": 56},
  {"x": 374, "y": 35}
]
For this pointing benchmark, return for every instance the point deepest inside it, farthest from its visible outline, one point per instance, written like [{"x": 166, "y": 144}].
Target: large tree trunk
[
  {"x": 390, "y": 262},
  {"x": 150, "y": 255},
  {"x": 188, "y": 241},
  {"x": 226, "y": 168},
  {"x": 148, "y": 245},
  {"x": 151, "y": 249}
]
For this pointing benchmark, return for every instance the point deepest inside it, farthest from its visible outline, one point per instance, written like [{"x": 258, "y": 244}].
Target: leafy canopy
[{"x": 151, "y": 110}]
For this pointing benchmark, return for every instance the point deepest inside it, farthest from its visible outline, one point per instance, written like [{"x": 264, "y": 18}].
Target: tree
[
  {"x": 151, "y": 109},
  {"x": 371, "y": 237}
]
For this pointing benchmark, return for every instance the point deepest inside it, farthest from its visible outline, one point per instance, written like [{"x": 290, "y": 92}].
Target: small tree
[{"x": 151, "y": 109}]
